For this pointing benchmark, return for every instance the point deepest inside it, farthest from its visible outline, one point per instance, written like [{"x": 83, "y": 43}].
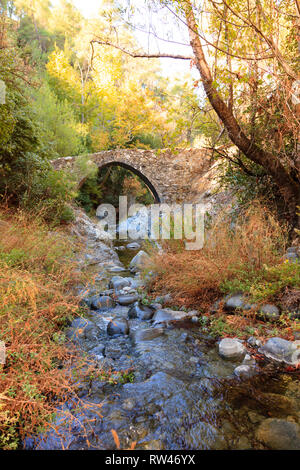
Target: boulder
[
  {"x": 92, "y": 332},
  {"x": 281, "y": 350},
  {"x": 237, "y": 302},
  {"x": 138, "y": 310},
  {"x": 278, "y": 434},
  {"x": 268, "y": 312},
  {"x": 77, "y": 327},
  {"x": 149, "y": 334},
  {"x": 119, "y": 284},
  {"x": 231, "y": 348},
  {"x": 140, "y": 261},
  {"x": 127, "y": 299},
  {"x": 113, "y": 280},
  {"x": 167, "y": 315},
  {"x": 102, "y": 303},
  {"x": 118, "y": 326}
]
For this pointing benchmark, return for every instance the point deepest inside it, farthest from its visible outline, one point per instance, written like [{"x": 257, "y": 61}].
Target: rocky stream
[{"x": 176, "y": 386}]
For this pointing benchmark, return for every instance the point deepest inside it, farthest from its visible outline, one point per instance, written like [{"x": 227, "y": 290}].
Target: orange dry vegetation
[
  {"x": 194, "y": 278},
  {"x": 36, "y": 279}
]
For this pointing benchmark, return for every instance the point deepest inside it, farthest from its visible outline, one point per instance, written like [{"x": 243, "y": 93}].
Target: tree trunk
[{"x": 289, "y": 189}]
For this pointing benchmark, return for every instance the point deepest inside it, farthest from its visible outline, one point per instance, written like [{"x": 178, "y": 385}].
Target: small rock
[
  {"x": 138, "y": 310},
  {"x": 245, "y": 371},
  {"x": 156, "y": 306},
  {"x": 118, "y": 326},
  {"x": 107, "y": 363},
  {"x": 231, "y": 348},
  {"x": 237, "y": 302},
  {"x": 133, "y": 246},
  {"x": 281, "y": 350},
  {"x": 102, "y": 303},
  {"x": 234, "y": 302},
  {"x": 116, "y": 269},
  {"x": 184, "y": 337},
  {"x": 119, "y": 284},
  {"x": 166, "y": 315},
  {"x": 279, "y": 403},
  {"x": 278, "y": 434},
  {"x": 268, "y": 312},
  {"x": 127, "y": 289},
  {"x": 254, "y": 342},
  {"x": 291, "y": 257},
  {"x": 255, "y": 417},
  {"x": 127, "y": 299},
  {"x": 292, "y": 249},
  {"x": 164, "y": 299}
]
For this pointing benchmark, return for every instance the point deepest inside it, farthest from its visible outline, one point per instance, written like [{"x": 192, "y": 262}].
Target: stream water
[{"x": 180, "y": 394}]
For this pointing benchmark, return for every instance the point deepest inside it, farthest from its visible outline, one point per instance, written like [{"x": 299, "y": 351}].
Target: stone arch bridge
[{"x": 167, "y": 173}]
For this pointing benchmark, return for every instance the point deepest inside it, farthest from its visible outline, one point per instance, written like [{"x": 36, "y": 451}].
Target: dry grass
[
  {"x": 36, "y": 279},
  {"x": 196, "y": 278}
]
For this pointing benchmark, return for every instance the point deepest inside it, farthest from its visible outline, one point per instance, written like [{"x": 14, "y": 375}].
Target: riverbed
[{"x": 163, "y": 386}]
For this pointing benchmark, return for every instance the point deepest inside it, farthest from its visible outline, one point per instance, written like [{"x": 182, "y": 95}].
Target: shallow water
[{"x": 183, "y": 395}]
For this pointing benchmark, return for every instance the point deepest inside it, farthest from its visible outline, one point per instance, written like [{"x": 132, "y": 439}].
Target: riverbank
[
  {"x": 245, "y": 281},
  {"x": 37, "y": 277}
]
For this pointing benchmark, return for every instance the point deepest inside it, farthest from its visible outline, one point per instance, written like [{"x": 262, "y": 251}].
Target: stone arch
[
  {"x": 169, "y": 174},
  {"x": 144, "y": 178}
]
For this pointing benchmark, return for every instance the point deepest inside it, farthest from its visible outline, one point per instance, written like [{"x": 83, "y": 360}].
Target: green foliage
[
  {"x": 107, "y": 184},
  {"x": 219, "y": 327},
  {"x": 266, "y": 284},
  {"x": 113, "y": 378},
  {"x": 26, "y": 176},
  {"x": 57, "y": 125}
]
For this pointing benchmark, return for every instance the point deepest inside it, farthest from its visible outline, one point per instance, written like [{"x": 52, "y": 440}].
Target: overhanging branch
[{"x": 141, "y": 54}]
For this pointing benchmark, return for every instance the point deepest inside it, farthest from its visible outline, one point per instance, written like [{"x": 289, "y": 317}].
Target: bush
[
  {"x": 232, "y": 259},
  {"x": 36, "y": 277}
]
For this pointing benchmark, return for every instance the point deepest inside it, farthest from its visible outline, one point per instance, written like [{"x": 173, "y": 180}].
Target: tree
[{"x": 227, "y": 29}]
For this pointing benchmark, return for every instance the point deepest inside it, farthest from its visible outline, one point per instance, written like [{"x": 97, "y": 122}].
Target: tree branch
[
  {"x": 141, "y": 54},
  {"x": 238, "y": 162}
]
